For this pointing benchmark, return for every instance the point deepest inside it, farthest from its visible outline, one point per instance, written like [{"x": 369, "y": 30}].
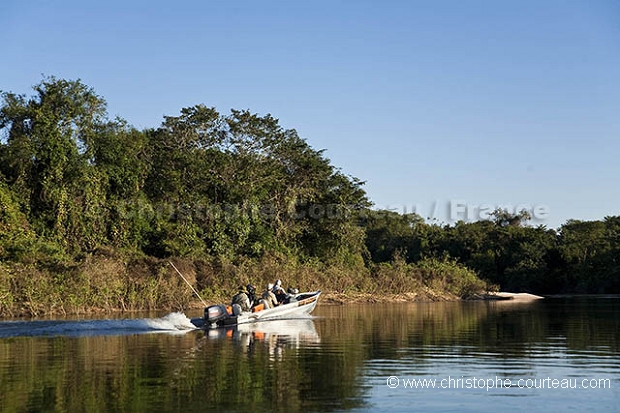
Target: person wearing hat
[
  {"x": 242, "y": 299},
  {"x": 269, "y": 296},
  {"x": 279, "y": 291}
]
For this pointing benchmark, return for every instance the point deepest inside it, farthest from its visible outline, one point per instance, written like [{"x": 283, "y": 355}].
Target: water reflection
[
  {"x": 500, "y": 326},
  {"x": 565, "y": 338},
  {"x": 338, "y": 360},
  {"x": 275, "y": 335},
  {"x": 276, "y": 365}
]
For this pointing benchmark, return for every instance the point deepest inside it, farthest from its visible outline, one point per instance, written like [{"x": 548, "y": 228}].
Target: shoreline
[
  {"x": 114, "y": 283},
  {"x": 421, "y": 297},
  {"x": 327, "y": 299},
  {"x": 336, "y": 298}
]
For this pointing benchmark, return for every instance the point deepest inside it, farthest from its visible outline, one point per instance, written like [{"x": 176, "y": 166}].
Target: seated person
[
  {"x": 242, "y": 299},
  {"x": 251, "y": 293},
  {"x": 290, "y": 295},
  {"x": 270, "y": 297},
  {"x": 279, "y": 291}
]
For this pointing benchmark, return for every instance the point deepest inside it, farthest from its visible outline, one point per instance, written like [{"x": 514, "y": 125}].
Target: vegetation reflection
[{"x": 303, "y": 365}]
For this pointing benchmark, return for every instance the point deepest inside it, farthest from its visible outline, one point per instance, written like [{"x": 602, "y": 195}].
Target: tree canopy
[
  {"x": 207, "y": 184},
  {"x": 201, "y": 183}
]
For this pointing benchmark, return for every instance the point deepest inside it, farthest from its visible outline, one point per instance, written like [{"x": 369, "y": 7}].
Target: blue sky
[{"x": 442, "y": 107}]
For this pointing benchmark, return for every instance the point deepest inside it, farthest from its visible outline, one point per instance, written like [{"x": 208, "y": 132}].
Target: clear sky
[{"x": 442, "y": 107}]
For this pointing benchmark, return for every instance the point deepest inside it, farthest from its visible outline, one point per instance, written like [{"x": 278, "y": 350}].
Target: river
[{"x": 554, "y": 354}]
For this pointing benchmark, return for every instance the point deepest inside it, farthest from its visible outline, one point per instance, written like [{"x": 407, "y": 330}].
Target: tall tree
[{"x": 48, "y": 139}]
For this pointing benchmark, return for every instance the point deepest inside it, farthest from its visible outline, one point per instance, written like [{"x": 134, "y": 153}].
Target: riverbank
[
  {"x": 109, "y": 281},
  {"x": 426, "y": 295}
]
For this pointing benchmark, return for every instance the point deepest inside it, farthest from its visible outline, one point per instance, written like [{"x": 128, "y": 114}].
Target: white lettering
[{"x": 457, "y": 207}]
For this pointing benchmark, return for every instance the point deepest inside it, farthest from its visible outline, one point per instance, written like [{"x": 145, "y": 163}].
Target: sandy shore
[{"x": 512, "y": 296}]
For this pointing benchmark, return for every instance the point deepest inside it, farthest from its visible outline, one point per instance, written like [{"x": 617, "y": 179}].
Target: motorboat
[{"x": 221, "y": 315}]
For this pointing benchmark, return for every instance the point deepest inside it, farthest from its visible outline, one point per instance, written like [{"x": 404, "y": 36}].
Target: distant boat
[{"x": 221, "y": 315}]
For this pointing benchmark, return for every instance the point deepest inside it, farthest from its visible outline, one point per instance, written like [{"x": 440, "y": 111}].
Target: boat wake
[{"x": 173, "y": 323}]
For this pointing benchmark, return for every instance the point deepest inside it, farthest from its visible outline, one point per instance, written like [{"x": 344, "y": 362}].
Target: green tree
[
  {"x": 16, "y": 237},
  {"x": 590, "y": 253},
  {"x": 48, "y": 138},
  {"x": 120, "y": 155},
  {"x": 389, "y": 234}
]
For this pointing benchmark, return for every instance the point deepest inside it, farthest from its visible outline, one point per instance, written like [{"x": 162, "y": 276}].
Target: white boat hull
[{"x": 299, "y": 305}]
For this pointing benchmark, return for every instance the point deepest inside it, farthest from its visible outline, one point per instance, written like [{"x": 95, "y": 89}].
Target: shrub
[{"x": 448, "y": 275}]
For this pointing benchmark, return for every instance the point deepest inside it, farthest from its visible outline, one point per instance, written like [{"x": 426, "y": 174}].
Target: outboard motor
[{"x": 215, "y": 313}]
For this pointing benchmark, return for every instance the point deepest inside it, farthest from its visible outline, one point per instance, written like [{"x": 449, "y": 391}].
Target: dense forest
[
  {"x": 91, "y": 210},
  {"x": 580, "y": 257}
]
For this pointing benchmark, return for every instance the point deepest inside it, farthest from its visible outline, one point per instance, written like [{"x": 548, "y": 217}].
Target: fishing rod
[{"x": 187, "y": 282}]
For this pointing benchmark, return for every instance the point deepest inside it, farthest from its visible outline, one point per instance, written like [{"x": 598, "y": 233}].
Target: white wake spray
[{"x": 172, "y": 323}]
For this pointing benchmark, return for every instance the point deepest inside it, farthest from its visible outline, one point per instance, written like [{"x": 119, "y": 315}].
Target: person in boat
[
  {"x": 279, "y": 291},
  {"x": 242, "y": 299},
  {"x": 251, "y": 293},
  {"x": 270, "y": 297},
  {"x": 290, "y": 295}
]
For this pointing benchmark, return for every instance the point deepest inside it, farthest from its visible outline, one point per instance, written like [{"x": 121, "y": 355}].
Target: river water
[{"x": 555, "y": 354}]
